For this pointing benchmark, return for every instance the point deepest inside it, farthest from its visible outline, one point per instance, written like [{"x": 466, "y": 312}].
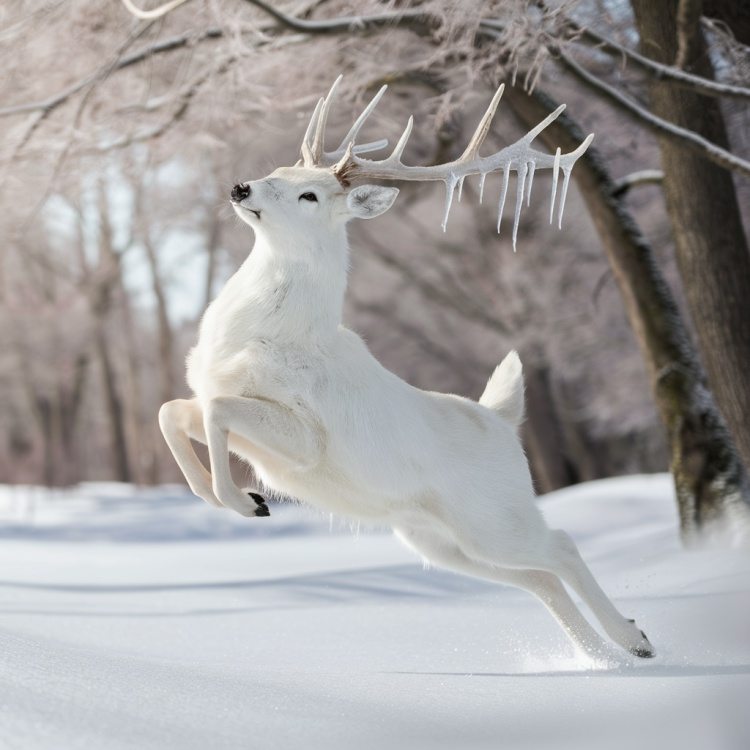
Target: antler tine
[
  {"x": 307, "y": 156},
  {"x": 365, "y": 148},
  {"x": 313, "y": 152},
  {"x": 320, "y": 128},
  {"x": 581, "y": 150},
  {"x": 351, "y": 136},
  {"x": 401, "y": 145},
  {"x": 484, "y": 126},
  {"x": 550, "y": 118}
]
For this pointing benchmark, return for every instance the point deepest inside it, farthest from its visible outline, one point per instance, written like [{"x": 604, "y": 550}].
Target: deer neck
[{"x": 297, "y": 293}]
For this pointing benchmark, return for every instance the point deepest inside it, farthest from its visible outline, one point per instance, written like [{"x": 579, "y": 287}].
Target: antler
[
  {"x": 313, "y": 153},
  {"x": 518, "y": 157}
]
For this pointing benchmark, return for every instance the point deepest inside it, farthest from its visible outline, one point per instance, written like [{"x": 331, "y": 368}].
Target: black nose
[{"x": 240, "y": 191}]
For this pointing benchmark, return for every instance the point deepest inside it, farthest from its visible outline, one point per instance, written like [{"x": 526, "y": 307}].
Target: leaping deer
[{"x": 279, "y": 381}]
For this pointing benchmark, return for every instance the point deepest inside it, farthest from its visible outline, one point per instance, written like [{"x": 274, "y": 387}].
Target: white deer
[{"x": 280, "y": 382}]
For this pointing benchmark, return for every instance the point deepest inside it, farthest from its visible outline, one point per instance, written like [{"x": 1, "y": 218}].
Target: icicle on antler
[{"x": 518, "y": 157}]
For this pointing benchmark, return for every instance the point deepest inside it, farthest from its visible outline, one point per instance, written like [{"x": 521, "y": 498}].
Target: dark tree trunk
[
  {"x": 70, "y": 407},
  {"x": 544, "y": 434},
  {"x": 708, "y": 475},
  {"x": 711, "y": 248},
  {"x": 44, "y": 416},
  {"x": 115, "y": 411},
  {"x": 166, "y": 339}
]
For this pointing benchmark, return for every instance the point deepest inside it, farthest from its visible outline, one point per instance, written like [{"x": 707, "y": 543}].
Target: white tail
[
  {"x": 279, "y": 381},
  {"x": 504, "y": 391}
]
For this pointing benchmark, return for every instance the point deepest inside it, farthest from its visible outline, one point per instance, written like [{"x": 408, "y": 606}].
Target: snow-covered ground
[{"x": 146, "y": 619}]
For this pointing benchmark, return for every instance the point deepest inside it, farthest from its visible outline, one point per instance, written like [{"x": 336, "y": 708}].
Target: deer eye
[{"x": 309, "y": 197}]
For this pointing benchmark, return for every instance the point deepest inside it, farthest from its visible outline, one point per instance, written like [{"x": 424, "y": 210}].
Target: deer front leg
[
  {"x": 273, "y": 432},
  {"x": 180, "y": 420}
]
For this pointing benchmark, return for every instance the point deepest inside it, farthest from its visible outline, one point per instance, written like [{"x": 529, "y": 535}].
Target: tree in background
[{"x": 710, "y": 243}]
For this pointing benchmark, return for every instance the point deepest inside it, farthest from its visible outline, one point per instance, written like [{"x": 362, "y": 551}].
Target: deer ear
[{"x": 369, "y": 201}]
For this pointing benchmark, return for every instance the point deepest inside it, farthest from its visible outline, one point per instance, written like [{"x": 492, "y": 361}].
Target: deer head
[{"x": 316, "y": 195}]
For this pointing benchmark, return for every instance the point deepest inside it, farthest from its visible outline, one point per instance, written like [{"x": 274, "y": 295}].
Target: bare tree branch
[
  {"x": 687, "y": 137},
  {"x": 453, "y": 299},
  {"x": 439, "y": 352}
]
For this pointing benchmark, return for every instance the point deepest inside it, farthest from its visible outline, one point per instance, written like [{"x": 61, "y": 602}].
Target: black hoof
[
  {"x": 643, "y": 653},
  {"x": 259, "y": 499},
  {"x": 262, "y": 510}
]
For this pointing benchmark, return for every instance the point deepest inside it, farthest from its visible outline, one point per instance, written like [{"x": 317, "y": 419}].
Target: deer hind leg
[
  {"x": 268, "y": 431},
  {"x": 565, "y": 561},
  {"x": 181, "y": 420},
  {"x": 542, "y": 584}
]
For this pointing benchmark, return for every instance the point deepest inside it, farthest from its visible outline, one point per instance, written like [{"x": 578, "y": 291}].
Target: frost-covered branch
[
  {"x": 642, "y": 177},
  {"x": 88, "y": 86},
  {"x": 659, "y": 71},
  {"x": 184, "y": 99},
  {"x": 687, "y": 137},
  {"x": 152, "y": 15},
  {"x": 414, "y": 18},
  {"x": 166, "y": 45}
]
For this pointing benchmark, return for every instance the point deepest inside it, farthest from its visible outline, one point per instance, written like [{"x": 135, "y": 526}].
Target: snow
[{"x": 146, "y": 619}]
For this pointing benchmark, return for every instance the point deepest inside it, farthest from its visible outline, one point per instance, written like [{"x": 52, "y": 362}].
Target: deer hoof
[
  {"x": 261, "y": 509},
  {"x": 644, "y": 650},
  {"x": 259, "y": 499}
]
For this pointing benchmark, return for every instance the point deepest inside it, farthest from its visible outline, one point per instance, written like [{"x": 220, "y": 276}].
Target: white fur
[
  {"x": 504, "y": 391},
  {"x": 282, "y": 383}
]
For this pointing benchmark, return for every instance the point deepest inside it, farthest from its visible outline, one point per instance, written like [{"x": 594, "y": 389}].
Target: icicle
[
  {"x": 461, "y": 187},
  {"x": 555, "y": 175},
  {"x": 503, "y": 193},
  {"x": 520, "y": 184},
  {"x": 450, "y": 186},
  {"x": 563, "y": 193},
  {"x": 532, "y": 169},
  {"x": 482, "y": 177}
]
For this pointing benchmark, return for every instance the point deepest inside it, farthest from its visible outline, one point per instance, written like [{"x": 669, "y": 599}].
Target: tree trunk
[
  {"x": 115, "y": 411},
  {"x": 708, "y": 475},
  {"x": 70, "y": 408},
  {"x": 212, "y": 251},
  {"x": 711, "y": 248},
  {"x": 544, "y": 434},
  {"x": 165, "y": 337}
]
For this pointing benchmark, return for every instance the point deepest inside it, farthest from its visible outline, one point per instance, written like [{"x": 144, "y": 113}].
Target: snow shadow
[{"x": 110, "y": 512}]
